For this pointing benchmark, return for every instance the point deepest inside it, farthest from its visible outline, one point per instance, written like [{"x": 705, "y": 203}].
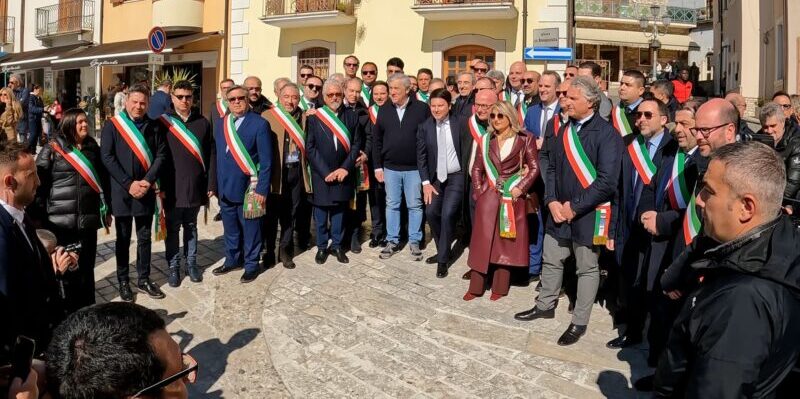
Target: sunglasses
[
  {"x": 350, "y": 64},
  {"x": 305, "y": 75},
  {"x": 569, "y": 74},
  {"x": 528, "y": 81},
  {"x": 561, "y": 93},
  {"x": 236, "y": 99},
  {"x": 334, "y": 95},
  {"x": 496, "y": 116},
  {"x": 786, "y": 106},
  {"x": 480, "y": 69},
  {"x": 314, "y": 87},
  {"x": 646, "y": 114},
  {"x": 182, "y": 97},
  {"x": 369, "y": 72},
  {"x": 189, "y": 372}
]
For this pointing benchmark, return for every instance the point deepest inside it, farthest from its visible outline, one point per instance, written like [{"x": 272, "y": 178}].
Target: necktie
[
  {"x": 544, "y": 121},
  {"x": 441, "y": 153}
]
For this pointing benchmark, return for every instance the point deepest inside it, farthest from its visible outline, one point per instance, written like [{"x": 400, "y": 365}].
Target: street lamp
[{"x": 649, "y": 26}]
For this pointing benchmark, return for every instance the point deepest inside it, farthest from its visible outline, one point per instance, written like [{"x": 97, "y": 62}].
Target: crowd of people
[{"x": 663, "y": 207}]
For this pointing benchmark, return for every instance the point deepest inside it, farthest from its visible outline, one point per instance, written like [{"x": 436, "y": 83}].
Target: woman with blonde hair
[
  {"x": 505, "y": 167},
  {"x": 10, "y": 116}
]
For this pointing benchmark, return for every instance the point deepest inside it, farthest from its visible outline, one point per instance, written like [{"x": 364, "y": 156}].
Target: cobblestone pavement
[{"x": 371, "y": 329}]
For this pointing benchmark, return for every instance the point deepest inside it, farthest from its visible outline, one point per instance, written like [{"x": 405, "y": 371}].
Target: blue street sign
[
  {"x": 548, "y": 53},
  {"x": 157, "y": 39}
]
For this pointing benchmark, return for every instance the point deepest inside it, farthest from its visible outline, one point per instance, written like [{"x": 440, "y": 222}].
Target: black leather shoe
[
  {"x": 441, "y": 270},
  {"x": 572, "y": 335},
  {"x": 432, "y": 260},
  {"x": 286, "y": 258},
  {"x": 195, "y": 275},
  {"x": 249, "y": 276},
  {"x": 645, "y": 384},
  {"x": 125, "y": 292},
  {"x": 623, "y": 342},
  {"x": 355, "y": 246},
  {"x": 268, "y": 260},
  {"x": 373, "y": 243},
  {"x": 322, "y": 256},
  {"x": 174, "y": 278},
  {"x": 151, "y": 290},
  {"x": 467, "y": 275},
  {"x": 535, "y": 313},
  {"x": 225, "y": 269},
  {"x": 340, "y": 256}
]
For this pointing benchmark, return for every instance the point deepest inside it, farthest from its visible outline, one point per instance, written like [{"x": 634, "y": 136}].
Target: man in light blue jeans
[{"x": 399, "y": 184}]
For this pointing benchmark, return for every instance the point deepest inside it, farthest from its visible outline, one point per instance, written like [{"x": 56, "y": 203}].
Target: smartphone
[
  {"x": 74, "y": 247},
  {"x": 23, "y": 357}
]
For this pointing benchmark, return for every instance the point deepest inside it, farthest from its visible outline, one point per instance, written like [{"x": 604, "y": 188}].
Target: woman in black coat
[{"x": 69, "y": 205}]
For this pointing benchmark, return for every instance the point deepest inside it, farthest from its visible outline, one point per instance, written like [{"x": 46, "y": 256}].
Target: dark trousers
[
  {"x": 356, "y": 217},
  {"x": 79, "y": 284},
  {"x": 177, "y": 218},
  {"x": 242, "y": 236},
  {"x": 284, "y": 209},
  {"x": 377, "y": 210},
  {"x": 501, "y": 280},
  {"x": 633, "y": 296},
  {"x": 663, "y": 312},
  {"x": 330, "y": 225},
  {"x": 124, "y": 225},
  {"x": 443, "y": 211}
]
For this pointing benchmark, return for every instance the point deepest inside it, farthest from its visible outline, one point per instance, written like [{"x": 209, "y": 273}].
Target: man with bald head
[
  {"x": 715, "y": 125},
  {"x": 530, "y": 87},
  {"x": 514, "y": 89},
  {"x": 258, "y": 102},
  {"x": 741, "y": 106}
]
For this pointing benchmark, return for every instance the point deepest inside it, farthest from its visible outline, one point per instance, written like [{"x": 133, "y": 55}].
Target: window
[
  {"x": 318, "y": 58},
  {"x": 456, "y": 60},
  {"x": 645, "y": 56}
]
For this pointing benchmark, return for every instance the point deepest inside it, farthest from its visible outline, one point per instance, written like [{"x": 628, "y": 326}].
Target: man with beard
[{"x": 258, "y": 102}]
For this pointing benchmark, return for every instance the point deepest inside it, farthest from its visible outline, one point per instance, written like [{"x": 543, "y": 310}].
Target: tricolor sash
[
  {"x": 422, "y": 96},
  {"x": 185, "y": 137},
  {"x": 691, "y": 221},
  {"x": 620, "y": 121},
  {"x": 337, "y": 127},
  {"x": 222, "y": 107},
  {"x": 476, "y": 130},
  {"x": 556, "y": 124},
  {"x": 373, "y": 113},
  {"x": 252, "y": 208},
  {"x": 84, "y": 167},
  {"x": 304, "y": 104},
  {"x": 676, "y": 188},
  {"x": 366, "y": 94},
  {"x": 290, "y": 125},
  {"x": 363, "y": 177},
  {"x": 504, "y": 96},
  {"x": 522, "y": 110},
  {"x": 133, "y": 137},
  {"x": 640, "y": 157},
  {"x": 506, "y": 222},
  {"x": 586, "y": 173}
]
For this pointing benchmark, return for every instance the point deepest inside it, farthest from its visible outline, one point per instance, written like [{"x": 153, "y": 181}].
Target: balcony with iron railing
[
  {"x": 629, "y": 10},
  {"x": 66, "y": 17},
  {"x": 453, "y": 10},
  {"x": 7, "y": 29},
  {"x": 705, "y": 15},
  {"x": 308, "y": 13}
]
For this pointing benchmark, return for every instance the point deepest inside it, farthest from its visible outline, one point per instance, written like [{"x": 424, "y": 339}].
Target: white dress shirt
[{"x": 19, "y": 219}]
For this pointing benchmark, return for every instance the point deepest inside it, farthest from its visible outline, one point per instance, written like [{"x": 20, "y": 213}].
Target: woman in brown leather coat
[{"x": 494, "y": 247}]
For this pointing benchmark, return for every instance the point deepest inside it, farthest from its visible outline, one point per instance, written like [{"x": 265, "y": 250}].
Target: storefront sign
[
  {"x": 95, "y": 63},
  {"x": 9, "y": 68}
]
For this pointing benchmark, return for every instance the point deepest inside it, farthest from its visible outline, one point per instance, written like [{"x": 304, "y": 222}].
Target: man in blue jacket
[{"x": 234, "y": 175}]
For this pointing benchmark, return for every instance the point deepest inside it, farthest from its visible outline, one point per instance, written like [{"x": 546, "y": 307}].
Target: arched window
[
  {"x": 318, "y": 58},
  {"x": 456, "y": 59}
]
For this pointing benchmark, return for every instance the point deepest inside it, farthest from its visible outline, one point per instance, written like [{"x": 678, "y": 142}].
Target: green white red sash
[
  {"x": 506, "y": 222},
  {"x": 556, "y": 125},
  {"x": 677, "y": 190},
  {"x": 84, "y": 167},
  {"x": 476, "y": 130},
  {"x": 691, "y": 221},
  {"x": 185, "y": 137},
  {"x": 339, "y": 130},
  {"x": 640, "y": 157},
  {"x": 133, "y": 137},
  {"x": 586, "y": 173},
  {"x": 252, "y": 208},
  {"x": 363, "y": 177},
  {"x": 620, "y": 121},
  {"x": 290, "y": 125},
  {"x": 504, "y": 96},
  {"x": 522, "y": 110},
  {"x": 373, "y": 113},
  {"x": 222, "y": 107},
  {"x": 366, "y": 94},
  {"x": 304, "y": 104},
  {"x": 422, "y": 96}
]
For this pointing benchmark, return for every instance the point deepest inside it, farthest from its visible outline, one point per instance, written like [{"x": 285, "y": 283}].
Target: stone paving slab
[{"x": 371, "y": 329}]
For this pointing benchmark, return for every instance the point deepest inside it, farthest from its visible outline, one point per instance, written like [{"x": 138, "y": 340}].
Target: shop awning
[
  {"x": 122, "y": 53},
  {"x": 36, "y": 59}
]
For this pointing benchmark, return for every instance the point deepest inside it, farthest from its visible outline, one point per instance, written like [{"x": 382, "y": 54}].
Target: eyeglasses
[
  {"x": 786, "y": 106},
  {"x": 483, "y": 106},
  {"x": 351, "y": 64},
  {"x": 647, "y": 115},
  {"x": 256, "y": 88},
  {"x": 182, "y": 97},
  {"x": 706, "y": 131},
  {"x": 314, "y": 87},
  {"x": 189, "y": 372},
  {"x": 484, "y": 70},
  {"x": 569, "y": 74},
  {"x": 369, "y": 72},
  {"x": 305, "y": 75},
  {"x": 496, "y": 116},
  {"x": 236, "y": 99},
  {"x": 528, "y": 81},
  {"x": 561, "y": 93},
  {"x": 334, "y": 95}
]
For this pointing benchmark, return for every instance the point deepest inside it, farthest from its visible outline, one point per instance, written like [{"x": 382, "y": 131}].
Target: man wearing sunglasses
[
  {"x": 350, "y": 65},
  {"x": 647, "y": 154},
  {"x": 218, "y": 108},
  {"x": 479, "y": 67},
  {"x": 117, "y": 350},
  {"x": 189, "y": 181},
  {"x": 312, "y": 91},
  {"x": 258, "y": 102},
  {"x": 306, "y": 71},
  {"x": 782, "y": 98},
  {"x": 530, "y": 88},
  {"x": 369, "y": 73}
]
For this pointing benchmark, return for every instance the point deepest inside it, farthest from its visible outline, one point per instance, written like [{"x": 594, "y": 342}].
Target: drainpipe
[
  {"x": 524, "y": 26},
  {"x": 98, "y": 77},
  {"x": 22, "y": 31},
  {"x": 225, "y": 36},
  {"x": 570, "y": 24}
]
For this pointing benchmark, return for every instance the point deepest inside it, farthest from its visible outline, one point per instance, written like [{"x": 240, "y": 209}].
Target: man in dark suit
[
  {"x": 439, "y": 159},
  {"x": 29, "y": 295},
  {"x": 538, "y": 115},
  {"x": 217, "y": 110},
  {"x": 576, "y": 198},
  {"x": 160, "y": 101},
  {"x": 332, "y": 152},
  {"x": 649, "y": 152},
  {"x": 134, "y": 172},
  {"x": 355, "y": 218},
  {"x": 631, "y": 89},
  {"x": 243, "y": 237},
  {"x": 465, "y": 81}
]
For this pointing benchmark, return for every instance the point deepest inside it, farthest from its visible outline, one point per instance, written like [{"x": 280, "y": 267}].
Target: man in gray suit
[{"x": 593, "y": 70}]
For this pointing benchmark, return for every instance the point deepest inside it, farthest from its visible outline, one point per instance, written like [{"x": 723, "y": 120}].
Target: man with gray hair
[
  {"x": 664, "y": 91},
  {"x": 739, "y": 102},
  {"x": 787, "y": 143},
  {"x": 499, "y": 80},
  {"x": 579, "y": 204},
  {"x": 737, "y": 335},
  {"x": 277, "y": 86},
  {"x": 23, "y": 95},
  {"x": 465, "y": 81}
]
